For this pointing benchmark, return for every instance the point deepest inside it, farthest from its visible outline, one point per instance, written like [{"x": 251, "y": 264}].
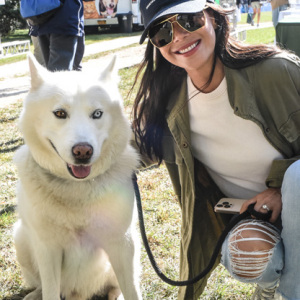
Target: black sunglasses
[{"x": 161, "y": 34}]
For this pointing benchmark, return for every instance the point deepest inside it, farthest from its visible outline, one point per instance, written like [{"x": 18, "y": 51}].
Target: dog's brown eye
[
  {"x": 97, "y": 114},
  {"x": 60, "y": 114}
]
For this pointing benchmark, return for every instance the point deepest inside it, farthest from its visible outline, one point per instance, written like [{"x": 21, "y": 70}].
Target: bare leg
[
  {"x": 258, "y": 17},
  {"x": 253, "y": 16}
]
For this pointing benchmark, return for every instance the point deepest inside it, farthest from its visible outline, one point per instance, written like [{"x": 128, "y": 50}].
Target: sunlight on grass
[
  {"x": 13, "y": 59},
  {"x": 261, "y": 36},
  {"x": 265, "y": 16},
  {"x": 95, "y": 38},
  {"x": 10, "y": 139}
]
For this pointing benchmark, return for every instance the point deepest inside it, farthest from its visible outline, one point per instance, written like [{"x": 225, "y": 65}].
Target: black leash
[{"x": 248, "y": 213}]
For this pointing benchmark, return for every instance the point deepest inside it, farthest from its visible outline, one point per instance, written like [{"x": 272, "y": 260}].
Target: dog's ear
[
  {"x": 111, "y": 71},
  {"x": 36, "y": 72}
]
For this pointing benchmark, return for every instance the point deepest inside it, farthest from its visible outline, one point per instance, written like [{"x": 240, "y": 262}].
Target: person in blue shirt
[{"x": 60, "y": 36}]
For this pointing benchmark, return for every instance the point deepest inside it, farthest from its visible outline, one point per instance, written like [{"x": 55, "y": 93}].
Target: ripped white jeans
[
  {"x": 254, "y": 265},
  {"x": 280, "y": 263}
]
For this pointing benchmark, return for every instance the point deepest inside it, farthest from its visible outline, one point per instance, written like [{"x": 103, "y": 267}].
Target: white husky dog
[{"x": 75, "y": 236}]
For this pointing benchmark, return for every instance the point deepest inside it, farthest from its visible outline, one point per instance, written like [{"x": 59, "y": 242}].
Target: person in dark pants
[
  {"x": 77, "y": 66},
  {"x": 62, "y": 36},
  {"x": 36, "y": 45}
]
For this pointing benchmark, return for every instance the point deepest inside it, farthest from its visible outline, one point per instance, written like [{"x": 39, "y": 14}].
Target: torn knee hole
[{"x": 251, "y": 244}]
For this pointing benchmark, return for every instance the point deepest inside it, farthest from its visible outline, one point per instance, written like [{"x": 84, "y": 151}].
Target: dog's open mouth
[
  {"x": 80, "y": 171},
  {"x": 110, "y": 10}
]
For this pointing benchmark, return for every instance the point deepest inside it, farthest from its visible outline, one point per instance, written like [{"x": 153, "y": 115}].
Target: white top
[{"x": 234, "y": 150}]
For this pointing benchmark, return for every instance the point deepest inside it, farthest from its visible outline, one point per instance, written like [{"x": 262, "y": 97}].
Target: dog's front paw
[{"x": 35, "y": 295}]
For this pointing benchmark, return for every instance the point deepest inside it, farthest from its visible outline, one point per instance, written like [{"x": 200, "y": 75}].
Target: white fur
[{"x": 76, "y": 237}]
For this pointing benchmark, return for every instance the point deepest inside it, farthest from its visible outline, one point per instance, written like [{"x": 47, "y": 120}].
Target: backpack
[{"x": 37, "y": 12}]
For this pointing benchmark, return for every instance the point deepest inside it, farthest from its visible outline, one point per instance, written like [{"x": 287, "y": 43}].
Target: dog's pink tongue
[
  {"x": 81, "y": 171},
  {"x": 110, "y": 11}
]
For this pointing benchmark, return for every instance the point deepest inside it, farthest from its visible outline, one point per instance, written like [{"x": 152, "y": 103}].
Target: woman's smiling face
[{"x": 191, "y": 50}]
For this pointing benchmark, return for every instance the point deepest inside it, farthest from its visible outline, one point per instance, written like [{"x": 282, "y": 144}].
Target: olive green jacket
[{"x": 269, "y": 98}]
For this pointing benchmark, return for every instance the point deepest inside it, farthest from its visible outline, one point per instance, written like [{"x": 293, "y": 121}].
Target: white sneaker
[
  {"x": 264, "y": 294},
  {"x": 278, "y": 297}
]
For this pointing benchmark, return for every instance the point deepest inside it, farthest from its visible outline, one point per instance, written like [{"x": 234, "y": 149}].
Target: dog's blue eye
[
  {"x": 60, "y": 114},
  {"x": 97, "y": 114}
]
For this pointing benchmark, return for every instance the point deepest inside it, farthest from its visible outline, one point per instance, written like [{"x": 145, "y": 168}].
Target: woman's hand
[{"x": 271, "y": 198}]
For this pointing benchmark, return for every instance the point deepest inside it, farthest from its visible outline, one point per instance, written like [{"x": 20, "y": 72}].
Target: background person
[
  {"x": 256, "y": 10},
  {"x": 60, "y": 35},
  {"x": 77, "y": 65},
  {"x": 245, "y": 6},
  {"x": 37, "y": 52},
  {"x": 277, "y": 7},
  {"x": 222, "y": 131}
]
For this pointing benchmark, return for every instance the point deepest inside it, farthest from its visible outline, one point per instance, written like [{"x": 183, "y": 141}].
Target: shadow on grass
[
  {"x": 8, "y": 209},
  {"x": 11, "y": 146},
  {"x": 18, "y": 296},
  {"x": 24, "y": 292}
]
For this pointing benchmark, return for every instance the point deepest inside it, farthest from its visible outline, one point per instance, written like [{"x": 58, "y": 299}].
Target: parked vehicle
[{"x": 124, "y": 14}]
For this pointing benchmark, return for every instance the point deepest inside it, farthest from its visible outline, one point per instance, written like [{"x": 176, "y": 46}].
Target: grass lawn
[
  {"x": 261, "y": 36},
  {"x": 265, "y": 16}
]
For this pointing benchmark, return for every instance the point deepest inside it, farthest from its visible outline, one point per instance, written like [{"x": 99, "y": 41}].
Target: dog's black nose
[{"x": 82, "y": 152}]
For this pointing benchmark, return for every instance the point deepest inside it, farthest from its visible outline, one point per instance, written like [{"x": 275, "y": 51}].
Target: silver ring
[{"x": 265, "y": 206}]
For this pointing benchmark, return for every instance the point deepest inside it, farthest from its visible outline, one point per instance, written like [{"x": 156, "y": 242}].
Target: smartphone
[{"x": 229, "y": 205}]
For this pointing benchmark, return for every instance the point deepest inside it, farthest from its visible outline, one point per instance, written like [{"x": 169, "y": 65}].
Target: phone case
[{"x": 229, "y": 205}]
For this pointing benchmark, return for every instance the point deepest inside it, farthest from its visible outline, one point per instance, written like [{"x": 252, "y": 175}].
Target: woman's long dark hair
[{"x": 160, "y": 78}]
